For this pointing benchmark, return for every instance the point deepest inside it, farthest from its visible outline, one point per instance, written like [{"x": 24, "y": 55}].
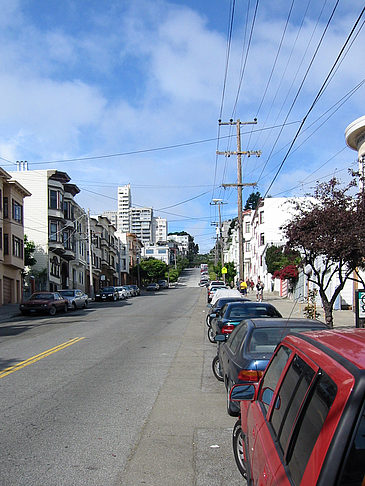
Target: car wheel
[
  {"x": 85, "y": 304},
  {"x": 211, "y": 335},
  {"x": 207, "y": 320},
  {"x": 216, "y": 367},
  {"x": 232, "y": 408},
  {"x": 114, "y": 298},
  {"x": 239, "y": 449},
  {"x": 74, "y": 306},
  {"x": 52, "y": 310}
]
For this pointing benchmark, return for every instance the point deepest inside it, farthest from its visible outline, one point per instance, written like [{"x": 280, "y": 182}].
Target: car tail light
[
  {"x": 250, "y": 375},
  {"x": 227, "y": 328}
]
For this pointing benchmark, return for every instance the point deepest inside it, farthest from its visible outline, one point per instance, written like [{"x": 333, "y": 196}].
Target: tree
[
  {"x": 29, "y": 249},
  {"x": 253, "y": 200},
  {"x": 279, "y": 257},
  {"x": 153, "y": 269},
  {"x": 329, "y": 232}
]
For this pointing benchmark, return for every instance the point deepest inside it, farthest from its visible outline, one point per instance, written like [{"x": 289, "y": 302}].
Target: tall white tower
[
  {"x": 355, "y": 139},
  {"x": 124, "y": 208}
]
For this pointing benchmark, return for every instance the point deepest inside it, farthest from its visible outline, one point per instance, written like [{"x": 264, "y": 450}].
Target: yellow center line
[{"x": 38, "y": 357}]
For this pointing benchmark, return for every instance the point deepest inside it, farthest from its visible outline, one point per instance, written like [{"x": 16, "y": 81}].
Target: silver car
[
  {"x": 76, "y": 299},
  {"x": 122, "y": 293}
]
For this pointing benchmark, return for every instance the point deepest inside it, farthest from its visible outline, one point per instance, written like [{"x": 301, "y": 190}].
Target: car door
[{"x": 230, "y": 352}]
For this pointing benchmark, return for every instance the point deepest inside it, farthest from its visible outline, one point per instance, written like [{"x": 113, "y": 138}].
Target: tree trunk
[{"x": 328, "y": 309}]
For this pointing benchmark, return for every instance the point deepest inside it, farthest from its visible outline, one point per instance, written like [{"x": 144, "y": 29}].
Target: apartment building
[
  {"x": 159, "y": 229},
  {"x": 50, "y": 221},
  {"x": 124, "y": 206},
  {"x": 183, "y": 242},
  {"x": 141, "y": 223},
  {"x": 12, "y": 195}
]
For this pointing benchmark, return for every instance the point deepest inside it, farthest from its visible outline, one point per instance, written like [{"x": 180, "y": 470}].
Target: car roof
[
  {"x": 346, "y": 343},
  {"x": 283, "y": 322}
]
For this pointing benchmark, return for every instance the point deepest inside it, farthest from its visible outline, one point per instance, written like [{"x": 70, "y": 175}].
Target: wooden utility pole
[
  {"x": 91, "y": 291},
  {"x": 239, "y": 185}
]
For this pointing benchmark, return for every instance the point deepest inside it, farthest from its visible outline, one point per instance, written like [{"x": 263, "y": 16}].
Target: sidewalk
[
  {"x": 290, "y": 308},
  {"x": 8, "y": 311}
]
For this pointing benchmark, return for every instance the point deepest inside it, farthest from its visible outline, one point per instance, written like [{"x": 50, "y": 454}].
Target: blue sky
[{"x": 134, "y": 91}]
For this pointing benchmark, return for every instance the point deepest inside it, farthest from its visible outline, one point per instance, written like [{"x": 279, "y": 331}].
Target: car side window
[
  {"x": 236, "y": 339},
  {"x": 290, "y": 398},
  {"x": 272, "y": 376},
  {"x": 309, "y": 425},
  {"x": 354, "y": 474}
]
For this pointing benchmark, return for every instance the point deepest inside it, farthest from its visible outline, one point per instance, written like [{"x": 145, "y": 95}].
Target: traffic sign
[{"x": 224, "y": 270}]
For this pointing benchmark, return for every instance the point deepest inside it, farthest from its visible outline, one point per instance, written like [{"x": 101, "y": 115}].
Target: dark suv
[{"x": 304, "y": 422}]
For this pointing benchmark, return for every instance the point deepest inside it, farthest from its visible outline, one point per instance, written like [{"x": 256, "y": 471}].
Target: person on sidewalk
[
  {"x": 259, "y": 290},
  {"x": 243, "y": 287}
]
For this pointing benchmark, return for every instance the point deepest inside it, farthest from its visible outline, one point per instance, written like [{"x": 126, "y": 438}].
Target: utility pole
[
  {"x": 239, "y": 185},
  {"x": 215, "y": 244},
  {"x": 90, "y": 255},
  {"x": 219, "y": 202}
]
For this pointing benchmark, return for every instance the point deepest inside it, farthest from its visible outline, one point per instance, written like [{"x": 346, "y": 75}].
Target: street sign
[
  {"x": 360, "y": 307},
  {"x": 224, "y": 270}
]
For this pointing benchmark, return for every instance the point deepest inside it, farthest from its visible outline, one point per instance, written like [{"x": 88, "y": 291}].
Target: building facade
[{"x": 12, "y": 195}]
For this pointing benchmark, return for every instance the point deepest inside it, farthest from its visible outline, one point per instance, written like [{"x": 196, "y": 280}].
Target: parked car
[
  {"x": 136, "y": 289},
  {"x": 44, "y": 302},
  {"x": 217, "y": 306},
  {"x": 129, "y": 291},
  {"x": 248, "y": 349},
  {"x": 304, "y": 422},
  {"x": 152, "y": 287},
  {"x": 212, "y": 290},
  {"x": 233, "y": 313},
  {"x": 163, "y": 284},
  {"x": 107, "y": 293},
  {"x": 122, "y": 293},
  {"x": 76, "y": 298}
]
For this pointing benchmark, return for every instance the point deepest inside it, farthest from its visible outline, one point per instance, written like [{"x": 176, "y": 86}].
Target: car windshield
[
  {"x": 108, "y": 289},
  {"x": 254, "y": 310},
  {"x": 42, "y": 297},
  {"x": 66, "y": 293},
  {"x": 266, "y": 339}
]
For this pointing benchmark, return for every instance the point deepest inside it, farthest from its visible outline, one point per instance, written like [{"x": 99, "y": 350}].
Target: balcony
[
  {"x": 56, "y": 214},
  {"x": 56, "y": 247},
  {"x": 68, "y": 254}
]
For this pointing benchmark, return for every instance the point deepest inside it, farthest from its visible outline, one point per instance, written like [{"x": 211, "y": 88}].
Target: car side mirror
[
  {"x": 213, "y": 314},
  {"x": 222, "y": 338},
  {"x": 242, "y": 392}
]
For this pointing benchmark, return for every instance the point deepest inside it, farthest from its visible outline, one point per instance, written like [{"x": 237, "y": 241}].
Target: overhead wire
[{"x": 319, "y": 94}]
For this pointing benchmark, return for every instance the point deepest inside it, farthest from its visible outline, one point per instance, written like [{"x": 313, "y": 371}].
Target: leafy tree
[
  {"x": 253, "y": 200},
  {"x": 279, "y": 257},
  {"x": 152, "y": 269},
  {"x": 329, "y": 232},
  {"x": 29, "y": 249}
]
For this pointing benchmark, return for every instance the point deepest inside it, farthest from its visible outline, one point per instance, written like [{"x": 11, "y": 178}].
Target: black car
[
  {"x": 107, "y": 293},
  {"x": 218, "y": 304},
  {"x": 248, "y": 349},
  {"x": 232, "y": 314}
]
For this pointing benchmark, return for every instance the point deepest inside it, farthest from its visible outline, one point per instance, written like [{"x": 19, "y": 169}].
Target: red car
[
  {"x": 44, "y": 302},
  {"x": 304, "y": 422}
]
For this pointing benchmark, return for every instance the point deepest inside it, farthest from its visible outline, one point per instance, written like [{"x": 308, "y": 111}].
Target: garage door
[{"x": 7, "y": 284}]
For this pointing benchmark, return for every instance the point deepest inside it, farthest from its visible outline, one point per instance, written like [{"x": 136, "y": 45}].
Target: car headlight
[{"x": 44, "y": 305}]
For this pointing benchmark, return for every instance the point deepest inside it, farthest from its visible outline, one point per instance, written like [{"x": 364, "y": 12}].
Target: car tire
[
  {"x": 232, "y": 408},
  {"x": 52, "y": 310},
  {"x": 74, "y": 306},
  {"x": 85, "y": 304},
  {"x": 114, "y": 298},
  {"x": 207, "y": 320},
  {"x": 211, "y": 335},
  {"x": 217, "y": 370},
  {"x": 239, "y": 448}
]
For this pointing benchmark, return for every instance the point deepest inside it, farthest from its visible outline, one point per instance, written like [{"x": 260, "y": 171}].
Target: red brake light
[
  {"x": 250, "y": 375},
  {"x": 227, "y": 329}
]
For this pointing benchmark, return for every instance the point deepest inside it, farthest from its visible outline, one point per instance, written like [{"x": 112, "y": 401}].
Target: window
[
  {"x": 237, "y": 337},
  {"x": 17, "y": 247},
  {"x": 53, "y": 231},
  {"x": 262, "y": 239},
  {"x": 272, "y": 376},
  {"x": 353, "y": 474},
  {"x": 291, "y": 395},
  {"x": 6, "y": 207},
  {"x": 53, "y": 199},
  {"x": 1, "y": 238},
  {"x": 17, "y": 211},
  {"x": 162, "y": 252},
  {"x": 261, "y": 217},
  {"x": 247, "y": 227},
  {"x": 247, "y": 246},
  {"x": 6, "y": 244},
  {"x": 309, "y": 425},
  {"x": 55, "y": 267},
  {"x": 149, "y": 252}
]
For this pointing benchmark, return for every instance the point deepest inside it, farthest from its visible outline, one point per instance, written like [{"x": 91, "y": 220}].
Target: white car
[{"x": 122, "y": 293}]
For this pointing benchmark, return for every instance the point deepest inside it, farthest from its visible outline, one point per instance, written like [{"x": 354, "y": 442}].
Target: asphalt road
[{"x": 82, "y": 396}]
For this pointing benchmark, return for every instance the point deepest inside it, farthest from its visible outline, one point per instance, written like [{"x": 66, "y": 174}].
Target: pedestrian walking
[
  {"x": 259, "y": 290},
  {"x": 243, "y": 287}
]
